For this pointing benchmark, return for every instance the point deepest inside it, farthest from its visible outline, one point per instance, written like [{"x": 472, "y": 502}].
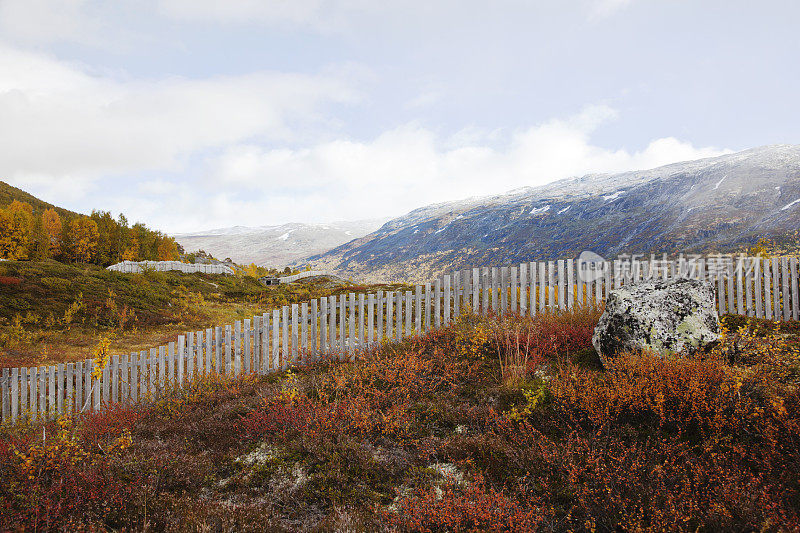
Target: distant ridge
[
  {"x": 275, "y": 246},
  {"x": 714, "y": 204}
]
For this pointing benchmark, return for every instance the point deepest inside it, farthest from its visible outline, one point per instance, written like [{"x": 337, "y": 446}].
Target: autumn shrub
[
  {"x": 10, "y": 281},
  {"x": 51, "y": 481},
  {"x": 478, "y": 507},
  {"x": 421, "y": 435}
]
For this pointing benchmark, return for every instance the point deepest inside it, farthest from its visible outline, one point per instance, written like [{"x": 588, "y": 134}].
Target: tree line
[{"x": 26, "y": 234}]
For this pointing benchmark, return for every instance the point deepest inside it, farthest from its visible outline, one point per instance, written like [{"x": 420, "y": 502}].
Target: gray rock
[{"x": 662, "y": 317}]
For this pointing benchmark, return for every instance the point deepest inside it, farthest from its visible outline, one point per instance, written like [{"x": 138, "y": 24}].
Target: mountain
[
  {"x": 275, "y": 246},
  {"x": 715, "y": 204},
  {"x": 9, "y": 193}
]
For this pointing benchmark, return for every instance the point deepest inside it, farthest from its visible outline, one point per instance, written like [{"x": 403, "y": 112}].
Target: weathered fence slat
[
  {"x": 795, "y": 291},
  {"x": 418, "y": 309},
  {"x": 398, "y": 299},
  {"x": 302, "y": 333},
  {"x": 276, "y": 340},
  {"x": 342, "y": 326}
]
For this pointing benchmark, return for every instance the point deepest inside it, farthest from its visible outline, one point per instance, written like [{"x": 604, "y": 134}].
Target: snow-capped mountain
[
  {"x": 714, "y": 204},
  {"x": 275, "y": 246}
]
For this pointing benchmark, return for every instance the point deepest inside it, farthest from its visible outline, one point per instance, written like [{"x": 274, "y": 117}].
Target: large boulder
[{"x": 661, "y": 317}]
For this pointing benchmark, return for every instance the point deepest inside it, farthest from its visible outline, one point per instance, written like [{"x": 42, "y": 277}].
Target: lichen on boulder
[{"x": 661, "y": 317}]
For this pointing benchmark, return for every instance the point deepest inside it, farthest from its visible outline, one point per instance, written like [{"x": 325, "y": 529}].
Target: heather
[{"x": 488, "y": 424}]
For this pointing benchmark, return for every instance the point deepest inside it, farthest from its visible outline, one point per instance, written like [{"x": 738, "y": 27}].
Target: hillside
[
  {"x": 276, "y": 246},
  {"x": 432, "y": 435},
  {"x": 31, "y": 229},
  {"x": 53, "y": 312},
  {"x": 716, "y": 204},
  {"x": 9, "y": 193}
]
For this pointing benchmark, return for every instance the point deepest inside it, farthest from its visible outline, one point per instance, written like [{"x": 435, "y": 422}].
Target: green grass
[{"x": 137, "y": 311}]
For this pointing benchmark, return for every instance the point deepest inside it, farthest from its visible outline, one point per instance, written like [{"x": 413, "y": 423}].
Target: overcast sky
[{"x": 194, "y": 114}]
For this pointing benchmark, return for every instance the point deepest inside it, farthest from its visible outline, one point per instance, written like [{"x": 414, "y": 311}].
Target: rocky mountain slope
[
  {"x": 275, "y": 246},
  {"x": 715, "y": 204}
]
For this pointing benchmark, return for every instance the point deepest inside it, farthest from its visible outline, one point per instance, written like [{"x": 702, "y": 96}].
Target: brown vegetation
[{"x": 442, "y": 432}]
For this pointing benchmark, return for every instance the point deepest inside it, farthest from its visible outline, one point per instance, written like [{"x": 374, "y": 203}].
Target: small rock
[
  {"x": 663, "y": 317},
  {"x": 449, "y": 472}
]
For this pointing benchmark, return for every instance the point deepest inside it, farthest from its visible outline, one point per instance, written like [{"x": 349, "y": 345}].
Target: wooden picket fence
[
  {"x": 341, "y": 327},
  {"x": 137, "y": 267}
]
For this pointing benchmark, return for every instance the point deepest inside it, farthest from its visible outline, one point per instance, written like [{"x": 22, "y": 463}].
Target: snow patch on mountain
[
  {"x": 787, "y": 206},
  {"x": 610, "y": 197}
]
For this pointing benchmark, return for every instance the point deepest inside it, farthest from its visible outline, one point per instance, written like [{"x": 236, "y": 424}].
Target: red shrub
[
  {"x": 478, "y": 507},
  {"x": 10, "y": 281}
]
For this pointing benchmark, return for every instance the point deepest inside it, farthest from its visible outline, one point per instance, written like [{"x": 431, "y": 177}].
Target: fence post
[
  {"x": 795, "y": 292},
  {"x": 418, "y": 309},
  {"x": 776, "y": 291},
  {"x": 70, "y": 390},
  {"x": 352, "y": 325},
  {"x": 33, "y": 381},
  {"x": 342, "y": 326},
  {"x": 314, "y": 346},
  {"x": 276, "y": 340},
  {"x": 437, "y": 302},
  {"x": 256, "y": 344},
  {"x": 333, "y": 312},
  {"x": 767, "y": 291},
  {"x": 162, "y": 371},
  {"x": 398, "y": 335},
  {"x": 96, "y": 386},
  {"x": 495, "y": 295},
  {"x": 51, "y": 407},
  {"x": 60, "y": 379},
  {"x": 133, "y": 383},
  {"x": 302, "y": 355},
  {"x": 285, "y": 346},
  {"x": 428, "y": 313},
  {"x": 323, "y": 325},
  {"x": 512, "y": 287},
  {"x": 409, "y": 309},
  {"x": 389, "y": 314},
  {"x": 447, "y": 296},
  {"x": 6, "y": 398},
  {"x": 181, "y": 346},
  {"x": 361, "y": 322},
  {"x": 191, "y": 347},
  {"x": 758, "y": 292}
]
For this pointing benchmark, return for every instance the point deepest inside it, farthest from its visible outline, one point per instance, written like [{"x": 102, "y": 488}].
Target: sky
[{"x": 198, "y": 114}]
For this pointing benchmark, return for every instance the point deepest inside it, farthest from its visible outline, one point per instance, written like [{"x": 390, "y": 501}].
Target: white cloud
[
  {"x": 411, "y": 166},
  {"x": 62, "y": 122},
  {"x": 604, "y": 8},
  {"x": 45, "y": 21}
]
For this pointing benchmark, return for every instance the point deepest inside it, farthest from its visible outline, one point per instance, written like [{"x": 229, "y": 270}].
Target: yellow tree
[
  {"x": 51, "y": 225},
  {"x": 167, "y": 249},
  {"x": 16, "y": 205},
  {"x": 131, "y": 253},
  {"x": 83, "y": 235},
  {"x": 15, "y": 231}
]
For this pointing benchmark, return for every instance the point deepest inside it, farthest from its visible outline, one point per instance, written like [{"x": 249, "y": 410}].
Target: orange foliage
[
  {"x": 479, "y": 507},
  {"x": 167, "y": 249},
  {"x": 83, "y": 235},
  {"x": 15, "y": 231},
  {"x": 51, "y": 224}
]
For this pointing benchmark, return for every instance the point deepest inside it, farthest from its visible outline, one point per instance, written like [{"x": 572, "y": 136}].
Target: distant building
[{"x": 269, "y": 280}]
